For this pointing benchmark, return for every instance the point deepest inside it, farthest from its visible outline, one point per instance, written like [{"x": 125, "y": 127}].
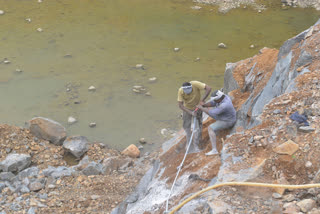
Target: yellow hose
[{"x": 306, "y": 186}]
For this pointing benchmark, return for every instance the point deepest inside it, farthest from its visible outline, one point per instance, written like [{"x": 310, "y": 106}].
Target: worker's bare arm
[{"x": 181, "y": 106}]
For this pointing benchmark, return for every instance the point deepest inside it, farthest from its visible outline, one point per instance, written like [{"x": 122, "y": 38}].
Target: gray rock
[
  {"x": 94, "y": 197},
  {"x": 47, "y": 129},
  {"x": 304, "y": 59},
  {"x": 286, "y": 47},
  {"x": 36, "y": 186},
  {"x": 32, "y": 210},
  {"x": 51, "y": 186},
  {"x": 6, "y": 176},
  {"x": 277, "y": 111},
  {"x": 58, "y": 172},
  {"x": 29, "y": 172},
  {"x": 140, "y": 190},
  {"x": 2, "y": 186},
  {"x": 93, "y": 168},
  {"x": 230, "y": 83},
  {"x": 306, "y": 205},
  {"x": 113, "y": 164},
  {"x": 15, "y": 163},
  {"x": 76, "y": 145},
  {"x": 24, "y": 189},
  {"x": 222, "y": 45},
  {"x": 306, "y": 129},
  {"x": 43, "y": 196},
  {"x": 15, "y": 207},
  {"x": 276, "y": 195}
]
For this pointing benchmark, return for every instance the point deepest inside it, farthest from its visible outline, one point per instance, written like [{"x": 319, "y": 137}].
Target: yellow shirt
[{"x": 191, "y": 100}]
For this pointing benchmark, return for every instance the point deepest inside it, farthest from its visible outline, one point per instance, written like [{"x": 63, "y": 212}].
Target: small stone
[
  {"x": 287, "y": 148},
  {"x": 276, "y": 195},
  {"x": 140, "y": 147},
  {"x": 92, "y": 125},
  {"x": 142, "y": 141},
  {"x": 137, "y": 87},
  {"x": 139, "y": 66},
  {"x": 259, "y": 11},
  {"x": 6, "y": 61},
  {"x": 1, "y": 12},
  {"x": 306, "y": 205},
  {"x": 136, "y": 91},
  {"x": 197, "y": 59},
  {"x": 51, "y": 186},
  {"x": 289, "y": 198},
  {"x": 196, "y": 7},
  {"x": 131, "y": 151},
  {"x": 252, "y": 46},
  {"x": 76, "y": 101},
  {"x": 306, "y": 129},
  {"x": 39, "y": 1},
  {"x": 35, "y": 186},
  {"x": 222, "y": 45},
  {"x": 39, "y": 29},
  {"x": 176, "y": 49},
  {"x": 308, "y": 164},
  {"x": 67, "y": 56},
  {"x": 277, "y": 111},
  {"x": 153, "y": 79},
  {"x": 28, "y": 20},
  {"x": 18, "y": 70},
  {"x": 164, "y": 132},
  {"x": 94, "y": 197},
  {"x": 68, "y": 89},
  {"x": 257, "y": 138},
  {"x": 92, "y": 88},
  {"x": 72, "y": 120},
  {"x": 148, "y": 94}
]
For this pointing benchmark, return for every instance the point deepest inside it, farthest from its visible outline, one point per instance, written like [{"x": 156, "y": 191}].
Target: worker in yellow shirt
[{"x": 189, "y": 96}]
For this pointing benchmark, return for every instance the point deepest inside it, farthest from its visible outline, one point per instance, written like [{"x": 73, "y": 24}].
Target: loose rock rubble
[{"x": 35, "y": 177}]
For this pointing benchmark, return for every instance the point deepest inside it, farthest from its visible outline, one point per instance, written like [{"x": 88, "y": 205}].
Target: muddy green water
[{"x": 106, "y": 39}]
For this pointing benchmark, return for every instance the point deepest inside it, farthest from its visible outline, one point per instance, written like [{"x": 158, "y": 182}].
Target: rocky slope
[
  {"x": 264, "y": 146},
  {"x": 37, "y": 176}
]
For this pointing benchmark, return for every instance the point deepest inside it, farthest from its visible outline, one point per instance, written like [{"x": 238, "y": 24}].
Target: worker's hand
[
  {"x": 201, "y": 103},
  {"x": 194, "y": 113},
  {"x": 200, "y": 107}
]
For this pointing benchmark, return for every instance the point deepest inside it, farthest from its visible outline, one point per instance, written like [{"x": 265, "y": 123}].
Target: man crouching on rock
[
  {"x": 224, "y": 114},
  {"x": 189, "y": 96}
]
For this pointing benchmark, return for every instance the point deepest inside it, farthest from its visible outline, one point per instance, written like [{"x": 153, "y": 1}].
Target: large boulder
[
  {"x": 15, "y": 163},
  {"x": 47, "y": 129},
  {"x": 76, "y": 145},
  {"x": 131, "y": 151}
]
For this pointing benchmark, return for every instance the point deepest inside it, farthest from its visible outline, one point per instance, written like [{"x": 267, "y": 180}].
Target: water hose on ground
[
  {"x": 252, "y": 184},
  {"x": 180, "y": 166}
]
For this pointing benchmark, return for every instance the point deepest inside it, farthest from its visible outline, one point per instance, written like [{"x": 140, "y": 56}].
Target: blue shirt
[{"x": 223, "y": 111}]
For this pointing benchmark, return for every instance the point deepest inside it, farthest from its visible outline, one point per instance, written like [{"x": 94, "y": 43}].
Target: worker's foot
[{"x": 212, "y": 152}]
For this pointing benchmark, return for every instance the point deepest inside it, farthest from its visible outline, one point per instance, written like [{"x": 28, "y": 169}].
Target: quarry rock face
[{"x": 265, "y": 89}]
